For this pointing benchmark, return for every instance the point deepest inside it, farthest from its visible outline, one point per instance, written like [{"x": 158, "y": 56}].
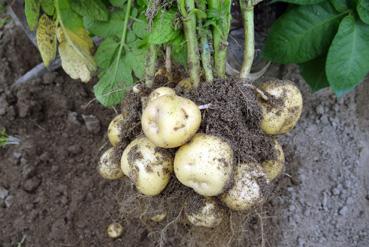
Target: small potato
[
  {"x": 185, "y": 84},
  {"x": 274, "y": 168},
  {"x": 282, "y": 115},
  {"x": 204, "y": 164},
  {"x": 148, "y": 166},
  {"x": 115, "y": 230},
  {"x": 159, "y": 217},
  {"x": 248, "y": 187},
  {"x": 204, "y": 212},
  {"x": 109, "y": 164},
  {"x": 115, "y": 130},
  {"x": 170, "y": 121},
  {"x": 161, "y": 91}
]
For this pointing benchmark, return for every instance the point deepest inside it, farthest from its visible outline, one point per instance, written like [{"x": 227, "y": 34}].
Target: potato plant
[{"x": 134, "y": 38}]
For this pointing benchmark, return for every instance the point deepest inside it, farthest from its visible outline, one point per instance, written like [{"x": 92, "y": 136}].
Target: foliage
[
  {"x": 5, "y": 139},
  {"x": 328, "y": 39}
]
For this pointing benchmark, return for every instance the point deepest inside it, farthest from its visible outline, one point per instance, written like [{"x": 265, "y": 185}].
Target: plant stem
[
  {"x": 168, "y": 62},
  {"x": 189, "y": 26},
  {"x": 151, "y": 59},
  {"x": 247, "y": 9},
  {"x": 205, "y": 47},
  {"x": 220, "y": 34}
]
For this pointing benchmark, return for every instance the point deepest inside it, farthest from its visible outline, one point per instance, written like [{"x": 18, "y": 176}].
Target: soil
[{"x": 52, "y": 195}]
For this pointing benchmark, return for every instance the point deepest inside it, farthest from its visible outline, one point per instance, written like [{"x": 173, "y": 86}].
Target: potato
[
  {"x": 115, "y": 230},
  {"x": 115, "y": 130},
  {"x": 148, "y": 166},
  {"x": 185, "y": 84},
  {"x": 204, "y": 212},
  {"x": 159, "y": 217},
  {"x": 161, "y": 91},
  {"x": 282, "y": 115},
  {"x": 109, "y": 164},
  {"x": 170, "y": 121},
  {"x": 204, "y": 164},
  {"x": 248, "y": 188},
  {"x": 274, "y": 168}
]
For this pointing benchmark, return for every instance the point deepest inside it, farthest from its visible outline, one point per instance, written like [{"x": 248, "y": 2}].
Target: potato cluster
[{"x": 170, "y": 143}]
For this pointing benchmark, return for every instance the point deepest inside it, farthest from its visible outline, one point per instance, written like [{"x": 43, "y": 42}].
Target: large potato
[
  {"x": 280, "y": 114},
  {"x": 170, "y": 121},
  {"x": 248, "y": 187},
  {"x": 274, "y": 168},
  {"x": 109, "y": 165},
  {"x": 204, "y": 212},
  {"x": 148, "y": 166},
  {"x": 204, "y": 164},
  {"x": 161, "y": 91},
  {"x": 115, "y": 130}
]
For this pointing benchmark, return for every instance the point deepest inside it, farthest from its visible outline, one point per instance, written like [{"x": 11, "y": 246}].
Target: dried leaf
[{"x": 46, "y": 39}]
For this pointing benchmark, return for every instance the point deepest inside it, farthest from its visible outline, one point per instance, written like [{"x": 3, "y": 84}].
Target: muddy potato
[
  {"x": 248, "y": 187},
  {"x": 185, "y": 84},
  {"x": 109, "y": 164},
  {"x": 204, "y": 212},
  {"x": 148, "y": 166},
  {"x": 204, "y": 164},
  {"x": 274, "y": 168},
  {"x": 161, "y": 91},
  {"x": 159, "y": 217},
  {"x": 170, "y": 121},
  {"x": 115, "y": 130},
  {"x": 281, "y": 116},
  {"x": 115, "y": 230}
]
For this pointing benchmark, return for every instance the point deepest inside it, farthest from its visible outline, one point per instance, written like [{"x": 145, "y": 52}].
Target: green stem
[
  {"x": 189, "y": 26},
  {"x": 123, "y": 37},
  {"x": 247, "y": 9},
  {"x": 204, "y": 44},
  {"x": 151, "y": 60},
  {"x": 220, "y": 34}
]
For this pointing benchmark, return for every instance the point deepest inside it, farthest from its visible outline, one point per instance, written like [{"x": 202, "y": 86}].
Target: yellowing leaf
[
  {"x": 46, "y": 39},
  {"x": 76, "y": 59},
  {"x": 75, "y": 45}
]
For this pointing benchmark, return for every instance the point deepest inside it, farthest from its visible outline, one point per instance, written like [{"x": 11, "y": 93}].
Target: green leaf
[
  {"x": 111, "y": 87},
  {"x": 104, "y": 29},
  {"x": 300, "y": 2},
  {"x": 32, "y": 12},
  {"x": 106, "y": 52},
  {"x": 340, "y": 5},
  {"x": 136, "y": 60},
  {"x": 314, "y": 73},
  {"x": 95, "y": 9},
  {"x": 363, "y": 10},
  {"x": 163, "y": 28},
  {"x": 347, "y": 61},
  {"x": 303, "y": 33},
  {"x": 48, "y": 6},
  {"x": 179, "y": 50},
  {"x": 140, "y": 29},
  {"x": 118, "y": 3}
]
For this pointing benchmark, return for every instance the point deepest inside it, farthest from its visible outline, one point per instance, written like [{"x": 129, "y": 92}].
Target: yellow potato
[
  {"x": 170, "y": 121},
  {"x": 148, "y": 166},
  {"x": 282, "y": 115},
  {"x": 109, "y": 165},
  {"x": 115, "y": 230},
  {"x": 204, "y": 212},
  {"x": 274, "y": 168},
  {"x": 205, "y": 164},
  {"x": 115, "y": 130},
  {"x": 247, "y": 189}
]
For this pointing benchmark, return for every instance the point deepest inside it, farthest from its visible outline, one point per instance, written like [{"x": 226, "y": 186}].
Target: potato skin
[
  {"x": 282, "y": 118},
  {"x": 205, "y": 164},
  {"x": 161, "y": 91},
  {"x": 274, "y": 168},
  {"x": 170, "y": 121},
  {"x": 109, "y": 165},
  {"x": 206, "y": 213},
  {"x": 148, "y": 166},
  {"x": 115, "y": 130},
  {"x": 248, "y": 187}
]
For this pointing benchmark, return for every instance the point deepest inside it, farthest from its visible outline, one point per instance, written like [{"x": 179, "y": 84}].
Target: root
[
  {"x": 259, "y": 91},
  {"x": 163, "y": 238}
]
